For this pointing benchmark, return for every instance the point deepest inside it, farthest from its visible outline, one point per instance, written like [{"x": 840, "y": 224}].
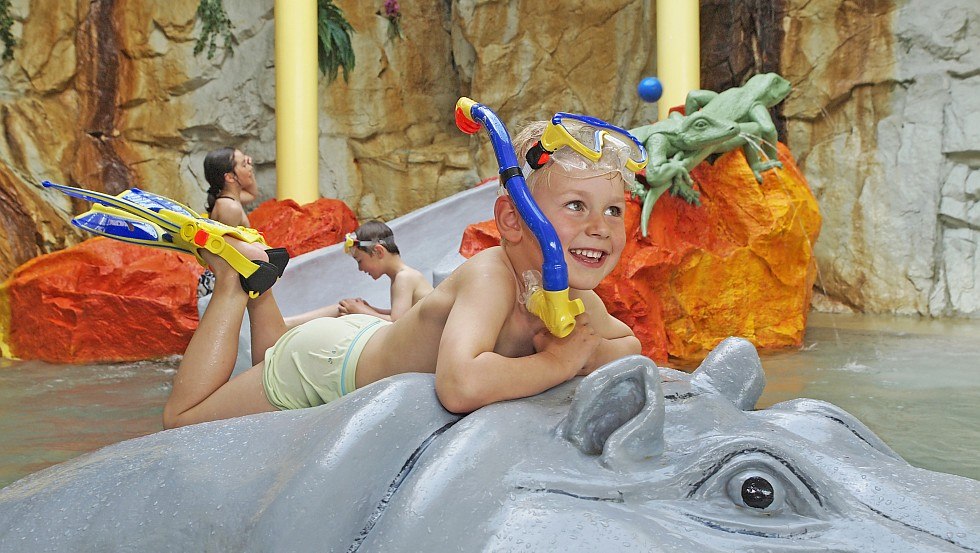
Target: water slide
[{"x": 428, "y": 238}]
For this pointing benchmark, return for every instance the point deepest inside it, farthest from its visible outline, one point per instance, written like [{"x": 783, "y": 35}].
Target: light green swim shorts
[{"x": 315, "y": 362}]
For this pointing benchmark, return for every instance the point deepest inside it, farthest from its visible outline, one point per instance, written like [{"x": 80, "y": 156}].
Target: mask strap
[{"x": 537, "y": 156}]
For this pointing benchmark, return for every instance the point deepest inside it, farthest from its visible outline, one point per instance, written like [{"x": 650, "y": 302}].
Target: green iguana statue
[
  {"x": 716, "y": 123},
  {"x": 674, "y": 146},
  {"x": 748, "y": 107}
]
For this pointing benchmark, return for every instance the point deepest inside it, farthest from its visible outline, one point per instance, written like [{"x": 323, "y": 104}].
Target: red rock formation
[
  {"x": 100, "y": 301},
  {"x": 478, "y": 237},
  {"x": 303, "y": 228},
  {"x": 741, "y": 264}
]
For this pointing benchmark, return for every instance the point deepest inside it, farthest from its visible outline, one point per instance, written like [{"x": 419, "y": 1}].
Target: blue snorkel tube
[{"x": 551, "y": 304}]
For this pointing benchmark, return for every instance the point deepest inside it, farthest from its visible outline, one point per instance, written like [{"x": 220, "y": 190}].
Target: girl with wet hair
[{"x": 231, "y": 184}]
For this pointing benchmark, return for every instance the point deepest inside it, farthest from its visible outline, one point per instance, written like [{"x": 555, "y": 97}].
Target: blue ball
[{"x": 650, "y": 89}]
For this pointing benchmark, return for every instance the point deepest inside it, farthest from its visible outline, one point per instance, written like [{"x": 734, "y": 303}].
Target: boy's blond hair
[{"x": 524, "y": 140}]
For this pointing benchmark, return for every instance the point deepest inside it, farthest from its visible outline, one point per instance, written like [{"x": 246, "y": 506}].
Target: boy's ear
[
  {"x": 508, "y": 219},
  {"x": 379, "y": 250}
]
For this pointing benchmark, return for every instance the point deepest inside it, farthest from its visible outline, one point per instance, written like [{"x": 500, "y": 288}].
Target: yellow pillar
[
  {"x": 297, "y": 136},
  {"x": 678, "y": 51}
]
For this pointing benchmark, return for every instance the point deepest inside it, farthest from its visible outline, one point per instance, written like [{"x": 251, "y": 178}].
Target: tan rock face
[{"x": 74, "y": 88}]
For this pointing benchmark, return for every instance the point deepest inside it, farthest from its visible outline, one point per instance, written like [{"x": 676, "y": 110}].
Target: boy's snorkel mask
[
  {"x": 585, "y": 147},
  {"x": 572, "y": 143},
  {"x": 350, "y": 241}
]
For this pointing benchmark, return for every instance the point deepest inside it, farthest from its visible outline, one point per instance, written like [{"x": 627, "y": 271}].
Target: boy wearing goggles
[
  {"x": 473, "y": 331},
  {"x": 374, "y": 250}
]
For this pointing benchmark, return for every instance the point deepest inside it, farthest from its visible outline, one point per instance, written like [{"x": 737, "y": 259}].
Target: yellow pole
[
  {"x": 678, "y": 51},
  {"x": 297, "y": 136}
]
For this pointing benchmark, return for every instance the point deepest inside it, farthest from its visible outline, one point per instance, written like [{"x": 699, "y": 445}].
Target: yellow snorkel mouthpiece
[{"x": 555, "y": 309}]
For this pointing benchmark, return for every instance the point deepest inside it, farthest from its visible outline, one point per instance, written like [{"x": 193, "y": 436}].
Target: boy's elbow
[
  {"x": 458, "y": 398},
  {"x": 172, "y": 419},
  {"x": 633, "y": 347},
  {"x": 169, "y": 420}
]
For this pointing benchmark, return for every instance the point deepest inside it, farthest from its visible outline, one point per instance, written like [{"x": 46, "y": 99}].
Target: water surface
[{"x": 916, "y": 383}]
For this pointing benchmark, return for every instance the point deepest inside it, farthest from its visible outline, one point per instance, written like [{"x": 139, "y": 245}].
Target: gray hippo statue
[{"x": 630, "y": 458}]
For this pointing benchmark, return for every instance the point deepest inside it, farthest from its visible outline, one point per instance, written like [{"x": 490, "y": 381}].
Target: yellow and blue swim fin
[{"x": 148, "y": 219}]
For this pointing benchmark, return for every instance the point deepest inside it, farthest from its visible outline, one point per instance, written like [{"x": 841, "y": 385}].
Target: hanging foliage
[
  {"x": 216, "y": 22},
  {"x": 6, "y": 36},
  {"x": 334, "y": 49}
]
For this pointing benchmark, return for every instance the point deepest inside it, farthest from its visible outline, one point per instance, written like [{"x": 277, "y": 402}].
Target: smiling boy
[{"x": 473, "y": 331}]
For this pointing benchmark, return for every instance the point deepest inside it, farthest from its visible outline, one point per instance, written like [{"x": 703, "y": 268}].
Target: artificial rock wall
[
  {"x": 882, "y": 119},
  {"x": 885, "y": 121}
]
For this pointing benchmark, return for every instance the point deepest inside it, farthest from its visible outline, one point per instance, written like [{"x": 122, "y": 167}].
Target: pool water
[
  {"x": 916, "y": 383},
  {"x": 51, "y": 413}
]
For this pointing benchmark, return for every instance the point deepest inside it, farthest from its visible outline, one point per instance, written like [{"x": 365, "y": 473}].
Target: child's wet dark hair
[{"x": 376, "y": 231}]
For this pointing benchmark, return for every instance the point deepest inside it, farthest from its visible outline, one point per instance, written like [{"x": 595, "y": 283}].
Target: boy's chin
[{"x": 586, "y": 282}]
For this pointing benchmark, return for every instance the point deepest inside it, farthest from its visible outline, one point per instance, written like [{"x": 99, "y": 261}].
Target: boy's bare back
[
  {"x": 412, "y": 343},
  {"x": 408, "y": 287}
]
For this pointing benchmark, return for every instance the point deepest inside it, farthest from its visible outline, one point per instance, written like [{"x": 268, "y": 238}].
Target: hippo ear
[
  {"x": 618, "y": 411},
  {"x": 732, "y": 369}
]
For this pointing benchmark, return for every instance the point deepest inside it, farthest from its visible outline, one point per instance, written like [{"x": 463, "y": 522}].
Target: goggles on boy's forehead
[
  {"x": 350, "y": 240},
  {"x": 591, "y": 138}
]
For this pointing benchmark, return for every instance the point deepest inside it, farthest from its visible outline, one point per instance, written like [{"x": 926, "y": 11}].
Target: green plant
[
  {"x": 334, "y": 49},
  {"x": 216, "y": 22},
  {"x": 6, "y": 22}
]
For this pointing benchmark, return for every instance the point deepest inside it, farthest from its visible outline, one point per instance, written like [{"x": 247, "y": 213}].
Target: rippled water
[
  {"x": 51, "y": 413},
  {"x": 916, "y": 383}
]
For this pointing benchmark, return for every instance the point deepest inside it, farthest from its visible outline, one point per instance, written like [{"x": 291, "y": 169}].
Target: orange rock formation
[
  {"x": 100, "y": 301},
  {"x": 303, "y": 228},
  {"x": 107, "y": 301}
]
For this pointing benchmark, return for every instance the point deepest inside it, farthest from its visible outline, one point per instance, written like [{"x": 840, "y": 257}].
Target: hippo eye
[
  {"x": 755, "y": 490},
  {"x": 756, "y": 481}
]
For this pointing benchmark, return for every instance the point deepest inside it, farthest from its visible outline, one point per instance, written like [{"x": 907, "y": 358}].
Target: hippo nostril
[{"x": 757, "y": 492}]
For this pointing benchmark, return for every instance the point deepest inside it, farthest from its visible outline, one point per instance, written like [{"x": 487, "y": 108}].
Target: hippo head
[
  {"x": 632, "y": 457},
  {"x": 665, "y": 460}
]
